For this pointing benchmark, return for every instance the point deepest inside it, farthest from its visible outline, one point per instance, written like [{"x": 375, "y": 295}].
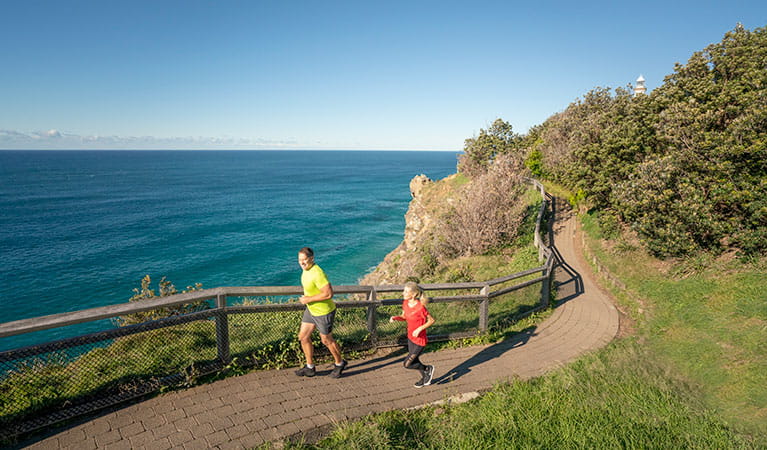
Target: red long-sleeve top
[{"x": 415, "y": 317}]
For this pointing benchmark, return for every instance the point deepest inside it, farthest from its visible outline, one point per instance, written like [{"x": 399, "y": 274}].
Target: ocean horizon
[{"x": 81, "y": 228}]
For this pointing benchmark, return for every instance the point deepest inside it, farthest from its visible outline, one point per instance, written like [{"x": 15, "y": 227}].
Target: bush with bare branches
[{"x": 489, "y": 212}]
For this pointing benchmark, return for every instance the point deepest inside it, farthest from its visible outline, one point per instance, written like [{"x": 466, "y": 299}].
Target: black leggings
[{"x": 412, "y": 361}]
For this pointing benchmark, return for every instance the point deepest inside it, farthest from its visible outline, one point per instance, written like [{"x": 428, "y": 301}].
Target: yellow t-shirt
[{"x": 313, "y": 280}]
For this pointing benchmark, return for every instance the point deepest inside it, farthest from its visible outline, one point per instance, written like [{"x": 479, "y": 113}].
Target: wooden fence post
[
  {"x": 537, "y": 238},
  {"x": 373, "y": 318},
  {"x": 222, "y": 330},
  {"x": 484, "y": 308},
  {"x": 546, "y": 283}
]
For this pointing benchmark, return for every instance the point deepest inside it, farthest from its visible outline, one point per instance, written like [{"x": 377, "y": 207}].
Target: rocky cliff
[{"x": 431, "y": 200}]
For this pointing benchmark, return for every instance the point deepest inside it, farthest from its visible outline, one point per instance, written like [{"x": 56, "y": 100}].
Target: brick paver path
[{"x": 245, "y": 411}]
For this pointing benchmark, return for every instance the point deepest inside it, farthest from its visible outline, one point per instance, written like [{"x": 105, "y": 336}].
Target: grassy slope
[
  {"x": 612, "y": 399},
  {"x": 705, "y": 317}
]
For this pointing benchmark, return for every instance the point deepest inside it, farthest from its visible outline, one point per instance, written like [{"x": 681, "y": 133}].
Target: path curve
[{"x": 245, "y": 411}]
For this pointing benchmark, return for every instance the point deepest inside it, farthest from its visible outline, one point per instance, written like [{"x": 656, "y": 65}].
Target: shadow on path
[
  {"x": 486, "y": 354},
  {"x": 569, "y": 282},
  {"x": 375, "y": 363}
]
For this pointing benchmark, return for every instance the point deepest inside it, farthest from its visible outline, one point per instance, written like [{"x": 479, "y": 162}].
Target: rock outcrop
[
  {"x": 417, "y": 184},
  {"x": 430, "y": 200}
]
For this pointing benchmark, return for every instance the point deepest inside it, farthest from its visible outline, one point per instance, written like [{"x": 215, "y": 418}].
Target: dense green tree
[
  {"x": 685, "y": 166},
  {"x": 479, "y": 151},
  {"x": 530, "y": 144},
  {"x": 713, "y": 118},
  {"x": 556, "y": 143},
  {"x": 615, "y": 136},
  {"x": 666, "y": 206}
]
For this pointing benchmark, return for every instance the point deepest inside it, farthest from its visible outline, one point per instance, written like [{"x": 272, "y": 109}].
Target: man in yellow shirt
[{"x": 319, "y": 314}]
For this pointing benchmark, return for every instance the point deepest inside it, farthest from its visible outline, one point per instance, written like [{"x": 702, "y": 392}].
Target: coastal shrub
[
  {"x": 713, "y": 120},
  {"x": 597, "y": 141},
  {"x": 609, "y": 221},
  {"x": 490, "y": 211},
  {"x": 480, "y": 151},
  {"x": 534, "y": 162},
  {"x": 428, "y": 261},
  {"x": 461, "y": 273},
  {"x": 665, "y": 205},
  {"x": 557, "y": 141},
  {"x": 165, "y": 288}
]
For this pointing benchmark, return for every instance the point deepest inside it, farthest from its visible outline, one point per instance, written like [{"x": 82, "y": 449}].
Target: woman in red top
[{"x": 418, "y": 320}]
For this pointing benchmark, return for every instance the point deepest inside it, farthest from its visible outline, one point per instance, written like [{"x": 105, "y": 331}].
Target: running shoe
[
  {"x": 428, "y": 374},
  {"x": 337, "y": 370},
  {"x": 306, "y": 371}
]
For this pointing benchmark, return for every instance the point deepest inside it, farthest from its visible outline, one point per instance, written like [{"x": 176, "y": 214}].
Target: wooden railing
[{"x": 220, "y": 295}]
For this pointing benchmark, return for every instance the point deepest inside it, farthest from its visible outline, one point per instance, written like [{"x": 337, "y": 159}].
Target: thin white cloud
[{"x": 55, "y": 139}]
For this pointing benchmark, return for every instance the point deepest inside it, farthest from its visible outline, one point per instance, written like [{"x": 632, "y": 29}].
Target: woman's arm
[{"x": 429, "y": 322}]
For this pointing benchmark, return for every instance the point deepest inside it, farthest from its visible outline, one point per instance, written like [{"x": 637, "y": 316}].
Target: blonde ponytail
[{"x": 413, "y": 287}]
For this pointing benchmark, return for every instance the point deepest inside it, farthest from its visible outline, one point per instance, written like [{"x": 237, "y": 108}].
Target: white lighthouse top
[{"x": 640, "y": 88}]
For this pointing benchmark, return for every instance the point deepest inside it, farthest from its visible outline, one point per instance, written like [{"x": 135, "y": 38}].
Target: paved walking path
[{"x": 245, "y": 411}]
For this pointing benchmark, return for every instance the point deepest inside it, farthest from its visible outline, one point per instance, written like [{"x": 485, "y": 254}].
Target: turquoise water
[{"x": 80, "y": 229}]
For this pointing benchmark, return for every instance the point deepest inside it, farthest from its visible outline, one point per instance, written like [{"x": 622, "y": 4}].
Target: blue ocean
[{"x": 80, "y": 229}]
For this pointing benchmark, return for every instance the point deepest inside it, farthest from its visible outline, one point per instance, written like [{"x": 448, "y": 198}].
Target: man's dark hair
[{"x": 307, "y": 251}]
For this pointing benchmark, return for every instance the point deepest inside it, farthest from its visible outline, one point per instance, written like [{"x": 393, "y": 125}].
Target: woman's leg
[{"x": 412, "y": 360}]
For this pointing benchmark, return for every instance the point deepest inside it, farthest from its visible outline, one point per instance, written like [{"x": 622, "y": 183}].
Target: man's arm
[{"x": 326, "y": 292}]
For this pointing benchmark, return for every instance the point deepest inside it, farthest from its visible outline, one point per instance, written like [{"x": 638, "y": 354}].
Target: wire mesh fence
[
  {"x": 506, "y": 309},
  {"x": 55, "y": 381}
]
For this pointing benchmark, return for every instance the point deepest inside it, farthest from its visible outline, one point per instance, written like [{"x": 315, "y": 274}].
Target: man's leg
[
  {"x": 335, "y": 350},
  {"x": 305, "y": 338},
  {"x": 332, "y": 345}
]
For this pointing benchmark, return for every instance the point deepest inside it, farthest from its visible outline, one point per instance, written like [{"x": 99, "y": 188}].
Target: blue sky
[{"x": 416, "y": 75}]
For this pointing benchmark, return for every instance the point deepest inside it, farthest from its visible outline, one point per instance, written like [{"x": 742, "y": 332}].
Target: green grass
[
  {"x": 616, "y": 398},
  {"x": 708, "y": 321}
]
